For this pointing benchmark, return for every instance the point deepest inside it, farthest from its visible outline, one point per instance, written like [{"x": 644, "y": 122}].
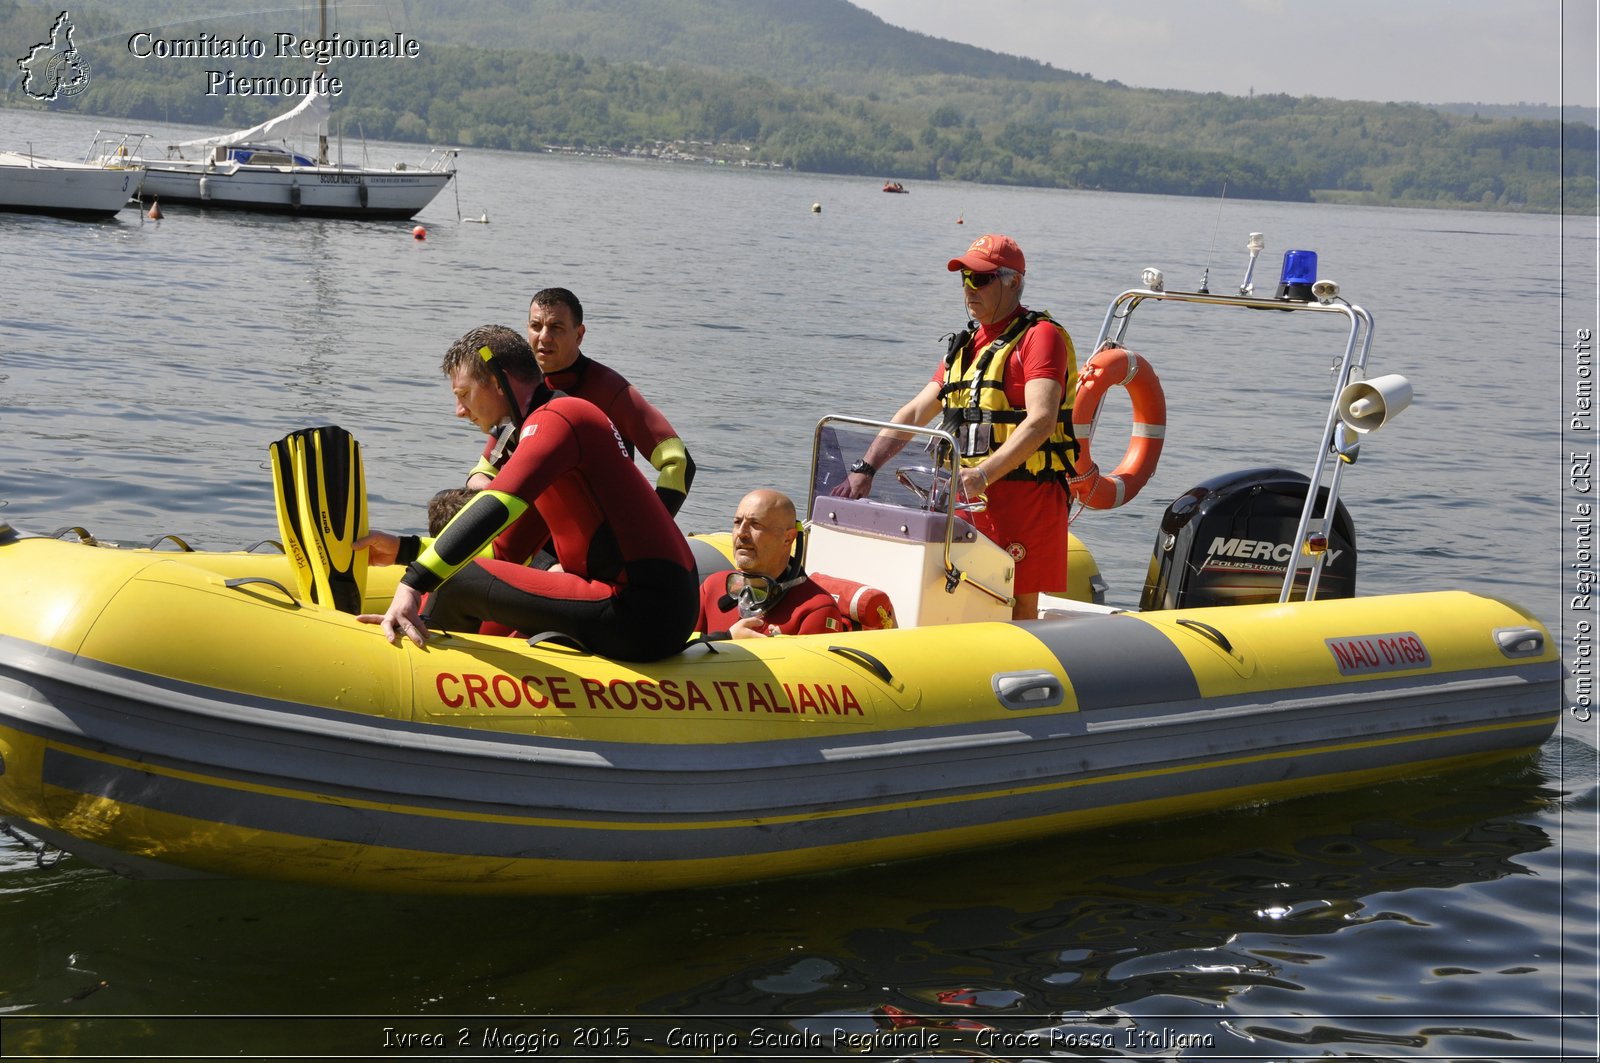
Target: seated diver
[
  {"x": 768, "y": 593},
  {"x": 627, "y": 589}
]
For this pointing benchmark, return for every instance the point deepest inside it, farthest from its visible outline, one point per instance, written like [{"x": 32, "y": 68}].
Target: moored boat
[
  {"x": 173, "y": 713},
  {"x": 33, "y": 184},
  {"x": 265, "y": 169},
  {"x": 261, "y": 169}
]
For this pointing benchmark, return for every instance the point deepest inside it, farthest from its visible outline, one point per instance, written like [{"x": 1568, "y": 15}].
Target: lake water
[{"x": 144, "y": 368}]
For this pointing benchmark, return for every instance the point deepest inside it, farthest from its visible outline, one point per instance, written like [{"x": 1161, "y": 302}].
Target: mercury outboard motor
[{"x": 1229, "y": 541}]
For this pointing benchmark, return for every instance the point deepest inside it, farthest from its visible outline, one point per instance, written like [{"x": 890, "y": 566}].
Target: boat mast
[{"x": 322, "y": 35}]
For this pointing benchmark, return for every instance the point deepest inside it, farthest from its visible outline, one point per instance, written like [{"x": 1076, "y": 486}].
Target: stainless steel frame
[{"x": 1358, "y": 346}]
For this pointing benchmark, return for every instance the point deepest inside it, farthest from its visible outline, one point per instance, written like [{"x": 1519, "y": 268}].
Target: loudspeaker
[{"x": 1367, "y": 405}]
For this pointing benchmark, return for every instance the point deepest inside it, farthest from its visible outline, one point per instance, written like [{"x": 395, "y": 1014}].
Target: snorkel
[
  {"x": 504, "y": 381},
  {"x": 505, "y": 437}
]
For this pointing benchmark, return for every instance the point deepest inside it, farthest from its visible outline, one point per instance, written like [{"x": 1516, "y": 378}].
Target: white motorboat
[{"x": 34, "y": 184}]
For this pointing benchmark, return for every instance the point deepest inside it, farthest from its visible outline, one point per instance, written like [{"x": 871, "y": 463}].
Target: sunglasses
[{"x": 978, "y": 280}]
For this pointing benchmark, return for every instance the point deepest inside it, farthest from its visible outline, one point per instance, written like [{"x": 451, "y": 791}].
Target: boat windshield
[{"x": 917, "y": 477}]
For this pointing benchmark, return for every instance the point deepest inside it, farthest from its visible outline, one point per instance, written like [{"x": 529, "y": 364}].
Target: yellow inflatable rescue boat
[{"x": 186, "y": 713}]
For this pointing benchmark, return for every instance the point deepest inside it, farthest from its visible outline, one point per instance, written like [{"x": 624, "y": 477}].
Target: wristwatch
[{"x": 865, "y": 466}]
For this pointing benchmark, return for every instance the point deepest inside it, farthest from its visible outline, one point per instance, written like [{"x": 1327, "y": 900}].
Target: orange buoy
[
  {"x": 155, "y": 210},
  {"x": 419, "y": 233},
  {"x": 1110, "y": 367}
]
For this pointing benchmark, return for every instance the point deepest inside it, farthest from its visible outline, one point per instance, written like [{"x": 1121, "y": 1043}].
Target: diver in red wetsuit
[
  {"x": 555, "y": 332},
  {"x": 627, "y": 589},
  {"x": 769, "y": 593}
]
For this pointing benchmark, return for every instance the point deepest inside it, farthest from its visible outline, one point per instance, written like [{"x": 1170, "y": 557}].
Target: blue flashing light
[
  {"x": 1299, "y": 274},
  {"x": 1299, "y": 267}
]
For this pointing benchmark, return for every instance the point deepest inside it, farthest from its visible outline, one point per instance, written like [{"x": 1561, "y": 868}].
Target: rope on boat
[
  {"x": 88, "y": 538},
  {"x": 44, "y": 855}
]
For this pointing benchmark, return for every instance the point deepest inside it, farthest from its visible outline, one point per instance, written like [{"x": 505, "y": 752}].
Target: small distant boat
[
  {"x": 895, "y": 186},
  {"x": 33, "y": 184}
]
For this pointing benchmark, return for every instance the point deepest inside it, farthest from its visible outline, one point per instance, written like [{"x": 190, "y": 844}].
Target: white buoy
[{"x": 816, "y": 208}]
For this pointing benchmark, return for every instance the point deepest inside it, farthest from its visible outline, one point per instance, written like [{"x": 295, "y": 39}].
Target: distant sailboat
[{"x": 260, "y": 169}]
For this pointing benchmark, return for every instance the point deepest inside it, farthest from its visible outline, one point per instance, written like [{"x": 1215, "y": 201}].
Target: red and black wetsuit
[
  {"x": 805, "y": 609},
  {"x": 642, "y": 426},
  {"x": 627, "y": 590}
]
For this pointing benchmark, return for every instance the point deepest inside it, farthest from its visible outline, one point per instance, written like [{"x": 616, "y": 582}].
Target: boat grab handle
[
  {"x": 1027, "y": 690},
  {"x": 1519, "y": 641},
  {"x": 1208, "y": 631},
  {"x": 708, "y": 639},
  {"x": 865, "y": 660},
  {"x": 240, "y": 581},
  {"x": 558, "y": 638}
]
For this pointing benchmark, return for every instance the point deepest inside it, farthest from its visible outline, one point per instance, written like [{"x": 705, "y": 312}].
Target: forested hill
[
  {"x": 817, "y": 85},
  {"x": 804, "y": 43}
]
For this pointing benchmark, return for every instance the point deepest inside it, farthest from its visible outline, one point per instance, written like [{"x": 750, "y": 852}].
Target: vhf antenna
[{"x": 1205, "y": 278}]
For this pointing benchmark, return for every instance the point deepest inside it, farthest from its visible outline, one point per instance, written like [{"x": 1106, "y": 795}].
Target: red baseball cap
[{"x": 990, "y": 252}]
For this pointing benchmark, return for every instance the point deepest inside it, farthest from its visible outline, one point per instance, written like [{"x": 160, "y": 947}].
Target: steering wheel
[{"x": 937, "y": 490}]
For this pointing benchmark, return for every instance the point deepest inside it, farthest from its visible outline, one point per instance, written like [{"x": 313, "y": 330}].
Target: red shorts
[{"x": 1029, "y": 519}]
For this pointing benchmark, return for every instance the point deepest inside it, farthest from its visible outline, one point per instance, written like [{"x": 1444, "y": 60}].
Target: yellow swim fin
[
  {"x": 321, "y": 496},
  {"x": 285, "y": 496}
]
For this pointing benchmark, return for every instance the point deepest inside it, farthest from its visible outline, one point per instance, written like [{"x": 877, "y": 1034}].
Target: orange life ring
[{"x": 1110, "y": 367}]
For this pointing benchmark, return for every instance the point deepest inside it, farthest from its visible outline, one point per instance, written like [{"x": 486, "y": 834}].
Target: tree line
[{"x": 1065, "y": 132}]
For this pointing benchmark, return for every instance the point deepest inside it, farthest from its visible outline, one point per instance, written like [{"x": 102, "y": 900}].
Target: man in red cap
[{"x": 1005, "y": 391}]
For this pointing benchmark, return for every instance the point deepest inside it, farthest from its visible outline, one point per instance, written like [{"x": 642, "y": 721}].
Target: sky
[{"x": 1423, "y": 51}]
